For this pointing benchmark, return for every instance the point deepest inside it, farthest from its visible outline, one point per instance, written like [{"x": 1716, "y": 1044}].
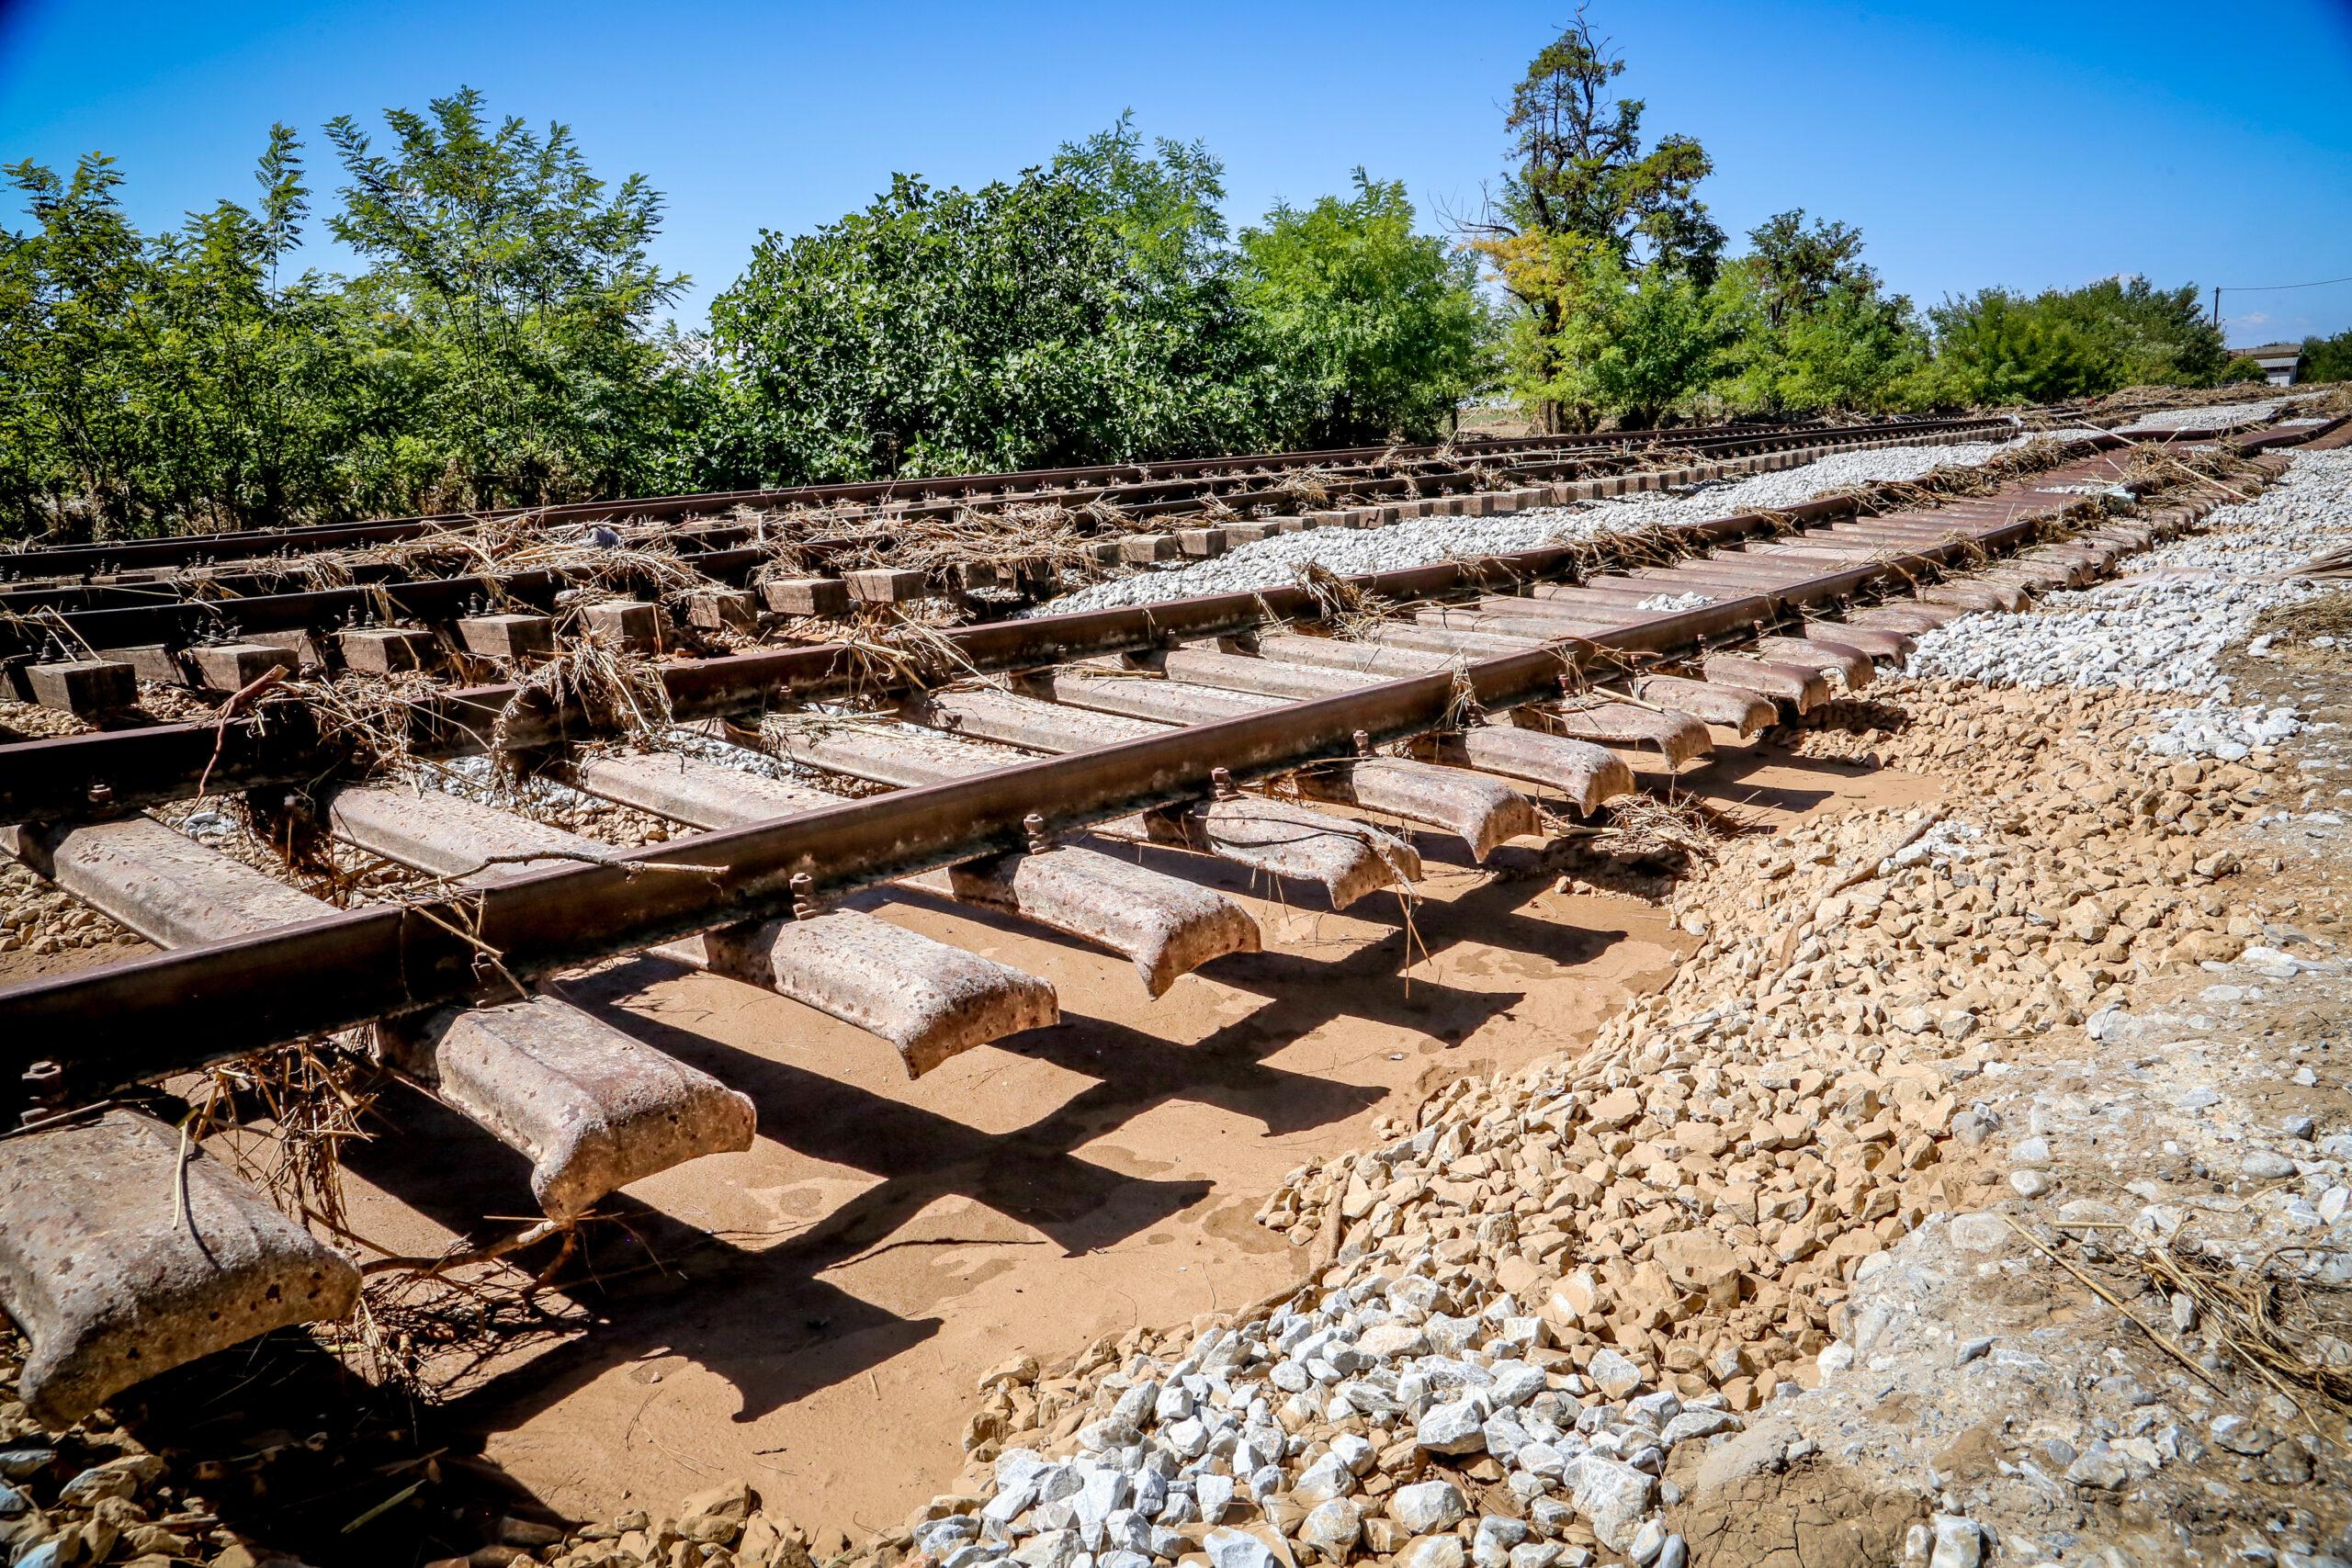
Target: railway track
[
  {"x": 999, "y": 764},
  {"x": 1139, "y": 489},
  {"x": 386, "y": 597}
]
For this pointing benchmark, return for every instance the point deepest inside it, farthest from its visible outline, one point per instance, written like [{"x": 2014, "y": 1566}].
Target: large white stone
[
  {"x": 1239, "y": 1549},
  {"x": 1327, "y": 1478},
  {"x": 1612, "y": 1496},
  {"x": 1428, "y": 1505},
  {"x": 1432, "y": 1551},
  {"x": 1613, "y": 1374},
  {"x": 1456, "y": 1426},
  {"x": 1390, "y": 1341},
  {"x": 1959, "y": 1543},
  {"x": 1332, "y": 1527}
]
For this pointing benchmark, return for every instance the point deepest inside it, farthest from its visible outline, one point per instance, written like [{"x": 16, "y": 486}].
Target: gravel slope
[{"x": 2162, "y": 626}]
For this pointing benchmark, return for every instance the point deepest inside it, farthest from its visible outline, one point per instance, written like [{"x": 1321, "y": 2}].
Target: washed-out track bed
[{"x": 999, "y": 764}]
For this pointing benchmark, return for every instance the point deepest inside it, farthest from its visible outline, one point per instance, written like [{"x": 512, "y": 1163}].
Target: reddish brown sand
[
  {"x": 812, "y": 1314},
  {"x": 828, "y": 1298}
]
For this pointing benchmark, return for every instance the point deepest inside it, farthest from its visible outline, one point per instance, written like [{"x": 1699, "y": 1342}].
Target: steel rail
[
  {"x": 149, "y": 1016},
  {"x": 70, "y": 776},
  {"x": 137, "y": 1021},
  {"x": 106, "y": 615},
  {"x": 934, "y": 492},
  {"x": 715, "y": 550}
]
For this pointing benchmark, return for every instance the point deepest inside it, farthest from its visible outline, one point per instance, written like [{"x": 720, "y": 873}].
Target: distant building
[{"x": 2282, "y": 363}]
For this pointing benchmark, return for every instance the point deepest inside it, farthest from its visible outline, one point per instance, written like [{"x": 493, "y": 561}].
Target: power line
[
  {"x": 2221, "y": 288},
  {"x": 2273, "y": 287}
]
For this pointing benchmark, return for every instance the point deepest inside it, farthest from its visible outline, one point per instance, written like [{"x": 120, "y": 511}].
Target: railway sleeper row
[
  {"x": 83, "y": 649},
  {"x": 135, "y": 1251},
  {"x": 62, "y": 576}
]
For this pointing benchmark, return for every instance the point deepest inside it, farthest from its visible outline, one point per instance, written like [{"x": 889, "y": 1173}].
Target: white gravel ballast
[
  {"x": 2164, "y": 623},
  {"x": 2219, "y": 417},
  {"x": 1275, "y": 562}
]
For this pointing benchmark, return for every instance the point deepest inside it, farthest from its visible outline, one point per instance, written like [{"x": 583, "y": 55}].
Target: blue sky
[{"x": 1993, "y": 142}]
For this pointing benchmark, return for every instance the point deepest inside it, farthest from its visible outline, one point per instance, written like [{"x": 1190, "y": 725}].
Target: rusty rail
[
  {"x": 137, "y": 1020},
  {"x": 943, "y": 491},
  {"x": 71, "y": 776}
]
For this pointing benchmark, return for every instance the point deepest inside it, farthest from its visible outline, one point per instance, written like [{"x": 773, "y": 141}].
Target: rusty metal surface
[
  {"x": 256, "y": 542},
  {"x": 1166, "y": 927},
  {"x": 63, "y": 777},
  {"x": 592, "y": 1107},
  {"x": 361, "y": 964}
]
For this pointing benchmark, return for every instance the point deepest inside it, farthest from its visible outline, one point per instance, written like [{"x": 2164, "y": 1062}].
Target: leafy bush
[
  {"x": 1372, "y": 331},
  {"x": 1600, "y": 339},
  {"x": 2000, "y": 348},
  {"x": 2328, "y": 359},
  {"x": 1806, "y": 325},
  {"x": 1049, "y": 321},
  {"x": 510, "y": 303},
  {"x": 497, "y": 350}
]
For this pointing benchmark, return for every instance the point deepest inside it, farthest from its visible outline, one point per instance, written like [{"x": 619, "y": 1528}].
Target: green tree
[
  {"x": 1625, "y": 343},
  {"x": 1080, "y": 314},
  {"x": 258, "y": 366},
  {"x": 76, "y": 341},
  {"x": 2001, "y": 347},
  {"x": 2328, "y": 359},
  {"x": 1584, "y": 200},
  {"x": 1374, "y": 332},
  {"x": 170, "y": 380},
  {"x": 509, "y": 301},
  {"x": 1163, "y": 201},
  {"x": 1806, "y": 324},
  {"x": 1582, "y": 170}
]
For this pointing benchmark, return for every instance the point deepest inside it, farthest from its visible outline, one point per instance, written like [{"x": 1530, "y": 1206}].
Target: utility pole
[{"x": 2217, "y": 306}]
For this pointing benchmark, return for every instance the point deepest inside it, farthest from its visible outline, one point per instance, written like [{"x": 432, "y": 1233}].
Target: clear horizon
[{"x": 2027, "y": 147}]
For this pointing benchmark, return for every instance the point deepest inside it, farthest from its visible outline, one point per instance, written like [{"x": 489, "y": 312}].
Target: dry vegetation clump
[
  {"x": 612, "y": 690},
  {"x": 2330, "y": 614},
  {"x": 2276, "y": 1316}
]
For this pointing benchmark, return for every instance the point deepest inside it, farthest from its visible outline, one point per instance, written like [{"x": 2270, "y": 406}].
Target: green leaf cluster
[
  {"x": 1995, "y": 346},
  {"x": 1620, "y": 306},
  {"x": 1369, "y": 330},
  {"x": 1072, "y": 315},
  {"x": 495, "y": 351},
  {"x": 1092, "y": 310},
  {"x": 503, "y": 341},
  {"x": 2328, "y": 359}
]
